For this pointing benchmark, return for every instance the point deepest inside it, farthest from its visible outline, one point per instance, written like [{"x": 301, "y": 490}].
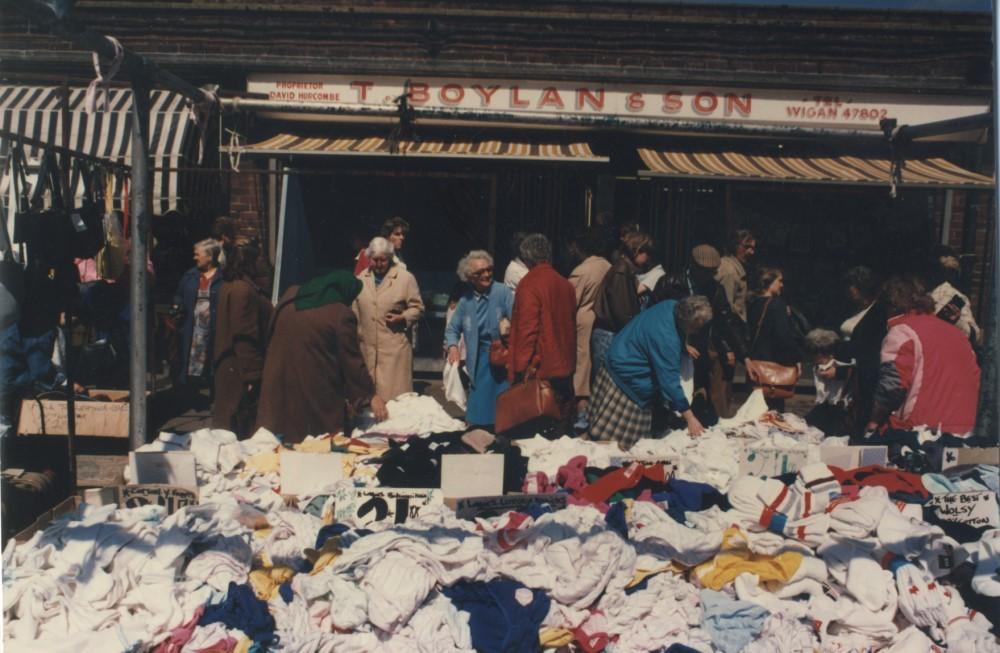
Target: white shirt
[{"x": 514, "y": 273}]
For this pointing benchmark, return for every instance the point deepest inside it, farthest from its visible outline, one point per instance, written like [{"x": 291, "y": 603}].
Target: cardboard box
[
  {"x": 766, "y": 462},
  {"x": 43, "y": 520},
  {"x": 956, "y": 457},
  {"x": 108, "y": 419},
  {"x": 852, "y": 457}
]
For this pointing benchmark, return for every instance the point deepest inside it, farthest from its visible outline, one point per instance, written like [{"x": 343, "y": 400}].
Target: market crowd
[{"x": 617, "y": 351}]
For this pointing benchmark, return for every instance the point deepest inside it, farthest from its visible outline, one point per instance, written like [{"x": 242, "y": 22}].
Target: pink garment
[
  {"x": 180, "y": 635},
  {"x": 571, "y": 475},
  {"x": 88, "y": 269}
]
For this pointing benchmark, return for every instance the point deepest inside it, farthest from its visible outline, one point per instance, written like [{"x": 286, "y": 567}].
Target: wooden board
[{"x": 107, "y": 419}]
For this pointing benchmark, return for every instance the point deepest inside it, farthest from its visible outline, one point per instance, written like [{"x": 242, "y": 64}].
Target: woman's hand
[
  {"x": 379, "y": 409},
  {"x": 695, "y": 427},
  {"x": 453, "y": 355},
  {"x": 692, "y": 352}
]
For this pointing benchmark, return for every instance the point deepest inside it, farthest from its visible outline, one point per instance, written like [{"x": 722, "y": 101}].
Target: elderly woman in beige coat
[{"x": 387, "y": 308}]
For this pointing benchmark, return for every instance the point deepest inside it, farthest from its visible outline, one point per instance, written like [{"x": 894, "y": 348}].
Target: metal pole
[
  {"x": 138, "y": 249},
  {"x": 988, "y": 422}
]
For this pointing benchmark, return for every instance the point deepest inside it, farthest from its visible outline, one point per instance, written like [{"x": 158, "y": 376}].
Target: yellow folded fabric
[
  {"x": 265, "y": 582},
  {"x": 554, "y": 637},
  {"x": 736, "y": 558},
  {"x": 312, "y": 444},
  {"x": 323, "y": 556},
  {"x": 243, "y": 646},
  {"x": 640, "y": 575},
  {"x": 264, "y": 462}
]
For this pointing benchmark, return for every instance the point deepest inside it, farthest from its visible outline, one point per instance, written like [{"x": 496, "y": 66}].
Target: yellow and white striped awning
[
  {"x": 934, "y": 172},
  {"x": 463, "y": 149}
]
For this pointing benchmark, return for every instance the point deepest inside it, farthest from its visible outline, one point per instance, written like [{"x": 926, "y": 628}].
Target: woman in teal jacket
[{"x": 478, "y": 318}]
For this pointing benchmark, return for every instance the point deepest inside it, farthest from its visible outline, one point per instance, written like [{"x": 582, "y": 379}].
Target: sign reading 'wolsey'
[{"x": 613, "y": 101}]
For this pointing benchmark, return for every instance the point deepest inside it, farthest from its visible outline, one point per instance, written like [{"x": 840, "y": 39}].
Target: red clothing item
[
  {"x": 937, "y": 368},
  {"x": 543, "y": 325},
  {"x": 892, "y": 480},
  {"x": 361, "y": 262}
]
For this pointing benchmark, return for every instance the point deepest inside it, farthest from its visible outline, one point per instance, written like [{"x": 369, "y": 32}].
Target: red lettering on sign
[
  {"x": 551, "y": 96},
  {"x": 515, "y": 97},
  {"x": 672, "y": 102},
  {"x": 485, "y": 93},
  {"x": 634, "y": 102},
  {"x": 584, "y": 96},
  {"x": 419, "y": 93},
  {"x": 451, "y": 93},
  {"x": 705, "y": 102},
  {"x": 362, "y": 89},
  {"x": 738, "y": 103}
]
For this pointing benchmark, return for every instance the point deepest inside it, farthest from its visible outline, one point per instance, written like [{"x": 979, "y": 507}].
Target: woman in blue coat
[
  {"x": 478, "y": 318},
  {"x": 197, "y": 296}
]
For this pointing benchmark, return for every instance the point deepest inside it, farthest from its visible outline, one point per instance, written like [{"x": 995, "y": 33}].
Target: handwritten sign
[
  {"x": 365, "y": 506},
  {"x": 309, "y": 473},
  {"x": 471, "y": 475},
  {"x": 93, "y": 418},
  {"x": 472, "y": 507},
  {"x": 978, "y": 509},
  {"x": 770, "y": 461},
  {"x": 168, "y": 496}
]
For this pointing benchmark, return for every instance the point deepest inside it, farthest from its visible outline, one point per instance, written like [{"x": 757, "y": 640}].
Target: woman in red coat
[{"x": 543, "y": 326}]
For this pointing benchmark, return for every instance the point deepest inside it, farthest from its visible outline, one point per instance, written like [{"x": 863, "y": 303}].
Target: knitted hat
[{"x": 706, "y": 256}]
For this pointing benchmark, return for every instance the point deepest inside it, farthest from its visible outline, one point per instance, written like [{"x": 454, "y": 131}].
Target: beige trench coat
[
  {"x": 586, "y": 279},
  {"x": 388, "y": 353}
]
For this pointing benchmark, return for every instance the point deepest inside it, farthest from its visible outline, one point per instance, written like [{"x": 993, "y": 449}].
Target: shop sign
[
  {"x": 587, "y": 101},
  {"x": 977, "y": 509},
  {"x": 365, "y": 506}
]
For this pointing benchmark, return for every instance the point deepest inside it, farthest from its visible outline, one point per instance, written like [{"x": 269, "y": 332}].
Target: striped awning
[
  {"x": 933, "y": 172},
  {"x": 35, "y": 112},
  {"x": 459, "y": 148}
]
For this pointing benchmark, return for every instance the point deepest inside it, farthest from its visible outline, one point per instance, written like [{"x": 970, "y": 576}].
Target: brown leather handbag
[
  {"x": 523, "y": 402},
  {"x": 777, "y": 381},
  {"x": 499, "y": 353}
]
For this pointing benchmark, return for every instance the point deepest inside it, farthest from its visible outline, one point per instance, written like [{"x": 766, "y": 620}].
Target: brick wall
[
  {"x": 975, "y": 239},
  {"x": 248, "y": 202}
]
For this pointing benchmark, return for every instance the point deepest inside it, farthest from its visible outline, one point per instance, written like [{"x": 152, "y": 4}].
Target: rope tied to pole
[{"x": 96, "y": 97}]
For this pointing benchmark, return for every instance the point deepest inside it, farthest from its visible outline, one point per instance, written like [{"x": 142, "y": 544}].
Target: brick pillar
[{"x": 248, "y": 202}]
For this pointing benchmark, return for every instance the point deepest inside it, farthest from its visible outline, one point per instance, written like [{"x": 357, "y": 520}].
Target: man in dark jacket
[{"x": 722, "y": 342}]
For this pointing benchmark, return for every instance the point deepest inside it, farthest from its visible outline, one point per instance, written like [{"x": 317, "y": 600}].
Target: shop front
[{"x": 470, "y": 161}]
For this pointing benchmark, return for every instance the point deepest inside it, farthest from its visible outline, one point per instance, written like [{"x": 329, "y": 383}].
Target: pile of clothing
[{"x": 640, "y": 559}]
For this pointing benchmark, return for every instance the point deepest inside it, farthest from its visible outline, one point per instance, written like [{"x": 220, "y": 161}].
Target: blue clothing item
[
  {"x": 600, "y": 343},
  {"x": 683, "y": 496},
  {"x": 499, "y": 622},
  {"x": 24, "y": 361},
  {"x": 478, "y": 314},
  {"x": 615, "y": 519},
  {"x": 243, "y": 610},
  {"x": 487, "y": 384},
  {"x": 645, "y": 358},
  {"x": 186, "y": 297},
  {"x": 673, "y": 648},
  {"x": 731, "y": 624},
  {"x": 285, "y": 592}
]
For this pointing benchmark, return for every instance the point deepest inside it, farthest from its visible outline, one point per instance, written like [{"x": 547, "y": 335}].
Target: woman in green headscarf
[{"x": 314, "y": 375}]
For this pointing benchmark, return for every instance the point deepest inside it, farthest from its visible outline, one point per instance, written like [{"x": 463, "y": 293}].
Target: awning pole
[
  {"x": 988, "y": 419},
  {"x": 138, "y": 253}
]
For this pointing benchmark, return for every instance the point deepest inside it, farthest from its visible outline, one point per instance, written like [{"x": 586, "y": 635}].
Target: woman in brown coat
[
  {"x": 387, "y": 308},
  {"x": 314, "y": 369},
  {"x": 244, "y": 312}
]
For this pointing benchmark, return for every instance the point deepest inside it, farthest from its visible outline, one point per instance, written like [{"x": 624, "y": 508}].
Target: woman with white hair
[
  {"x": 387, "y": 308},
  {"x": 482, "y": 313},
  {"x": 643, "y": 367},
  {"x": 196, "y": 299}
]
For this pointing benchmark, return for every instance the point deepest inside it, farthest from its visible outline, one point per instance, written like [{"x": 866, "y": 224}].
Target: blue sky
[{"x": 932, "y": 5}]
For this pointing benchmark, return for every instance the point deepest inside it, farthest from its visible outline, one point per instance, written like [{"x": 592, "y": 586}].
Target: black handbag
[
  {"x": 49, "y": 233},
  {"x": 87, "y": 219}
]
